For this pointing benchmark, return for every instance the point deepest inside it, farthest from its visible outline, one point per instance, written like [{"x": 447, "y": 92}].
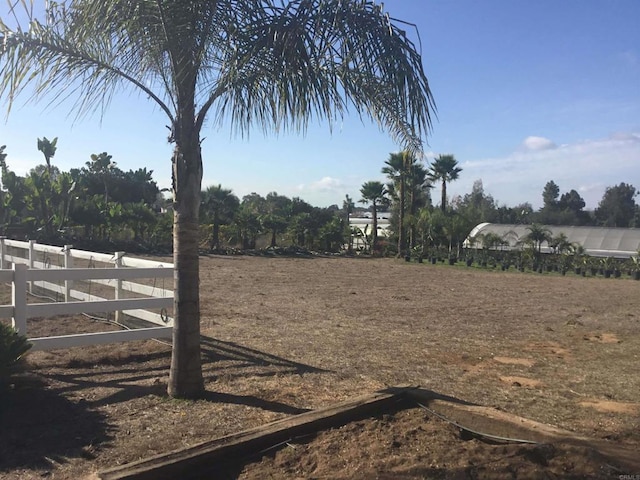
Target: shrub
[{"x": 13, "y": 346}]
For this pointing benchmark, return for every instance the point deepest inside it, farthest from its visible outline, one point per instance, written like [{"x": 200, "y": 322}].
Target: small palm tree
[
  {"x": 374, "y": 193},
  {"x": 538, "y": 234},
  {"x": 218, "y": 205},
  {"x": 444, "y": 169}
]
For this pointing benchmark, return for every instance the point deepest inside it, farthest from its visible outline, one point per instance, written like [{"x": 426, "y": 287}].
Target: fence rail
[{"x": 32, "y": 267}]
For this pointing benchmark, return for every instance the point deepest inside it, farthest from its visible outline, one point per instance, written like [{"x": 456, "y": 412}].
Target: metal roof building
[{"x": 597, "y": 241}]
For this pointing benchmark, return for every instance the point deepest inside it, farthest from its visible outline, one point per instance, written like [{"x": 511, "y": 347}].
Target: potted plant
[
  {"x": 635, "y": 267},
  {"x": 606, "y": 265}
]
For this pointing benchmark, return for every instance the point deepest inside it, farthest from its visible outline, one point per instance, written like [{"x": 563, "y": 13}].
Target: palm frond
[
  {"x": 319, "y": 58},
  {"x": 272, "y": 63}
]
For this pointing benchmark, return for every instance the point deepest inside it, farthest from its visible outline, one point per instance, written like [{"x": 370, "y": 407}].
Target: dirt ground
[{"x": 282, "y": 336}]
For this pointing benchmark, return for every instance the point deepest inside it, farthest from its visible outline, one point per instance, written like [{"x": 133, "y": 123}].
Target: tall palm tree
[
  {"x": 418, "y": 195},
  {"x": 445, "y": 169},
  {"x": 271, "y": 63},
  {"x": 374, "y": 193},
  {"x": 398, "y": 168}
]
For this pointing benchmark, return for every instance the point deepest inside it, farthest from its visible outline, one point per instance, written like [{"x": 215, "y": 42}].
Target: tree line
[
  {"x": 102, "y": 207},
  {"x": 96, "y": 205},
  {"x": 417, "y": 226}
]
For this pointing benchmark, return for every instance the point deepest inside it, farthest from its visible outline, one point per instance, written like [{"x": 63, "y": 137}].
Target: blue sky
[{"x": 527, "y": 92}]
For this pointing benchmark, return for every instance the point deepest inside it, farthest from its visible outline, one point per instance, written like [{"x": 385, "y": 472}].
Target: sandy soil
[{"x": 285, "y": 335}]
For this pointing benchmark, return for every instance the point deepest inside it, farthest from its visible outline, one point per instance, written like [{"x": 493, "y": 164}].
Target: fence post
[
  {"x": 2, "y": 239},
  {"x": 19, "y": 298},
  {"x": 118, "y": 293},
  {"x": 32, "y": 259},
  {"x": 68, "y": 263}
]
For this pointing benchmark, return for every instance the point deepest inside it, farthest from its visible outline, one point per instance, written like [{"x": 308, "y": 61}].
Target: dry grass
[{"x": 283, "y": 335}]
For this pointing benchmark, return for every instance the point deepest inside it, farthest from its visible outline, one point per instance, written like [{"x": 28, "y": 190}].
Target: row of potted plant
[{"x": 530, "y": 260}]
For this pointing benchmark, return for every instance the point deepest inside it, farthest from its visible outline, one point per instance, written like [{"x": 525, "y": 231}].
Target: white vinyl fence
[{"x": 79, "y": 282}]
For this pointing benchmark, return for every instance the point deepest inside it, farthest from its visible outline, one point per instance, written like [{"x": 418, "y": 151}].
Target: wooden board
[
  {"x": 487, "y": 421},
  {"x": 497, "y": 423},
  {"x": 187, "y": 462}
]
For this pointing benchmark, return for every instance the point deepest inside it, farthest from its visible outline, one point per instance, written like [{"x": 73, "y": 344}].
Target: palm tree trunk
[
  {"x": 443, "y": 203},
  {"x": 401, "y": 239},
  {"x": 185, "y": 377}
]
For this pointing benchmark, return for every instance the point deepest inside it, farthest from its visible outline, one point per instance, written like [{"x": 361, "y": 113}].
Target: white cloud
[
  {"x": 589, "y": 166},
  {"x": 538, "y": 143},
  {"x": 326, "y": 184}
]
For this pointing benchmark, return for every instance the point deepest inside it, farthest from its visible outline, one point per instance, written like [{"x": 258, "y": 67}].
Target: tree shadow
[
  {"x": 214, "y": 350},
  {"x": 39, "y": 427},
  {"x": 253, "y": 401},
  {"x": 145, "y": 374}
]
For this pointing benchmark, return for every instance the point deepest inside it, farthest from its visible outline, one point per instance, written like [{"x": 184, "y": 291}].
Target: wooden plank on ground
[
  {"x": 497, "y": 423},
  {"x": 187, "y": 462}
]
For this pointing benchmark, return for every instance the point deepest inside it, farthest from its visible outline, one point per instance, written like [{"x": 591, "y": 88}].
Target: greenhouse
[{"x": 597, "y": 241}]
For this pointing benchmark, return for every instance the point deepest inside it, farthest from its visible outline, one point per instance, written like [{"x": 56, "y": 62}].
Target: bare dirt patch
[
  {"x": 525, "y": 362},
  {"x": 282, "y": 336},
  {"x": 609, "y": 406}
]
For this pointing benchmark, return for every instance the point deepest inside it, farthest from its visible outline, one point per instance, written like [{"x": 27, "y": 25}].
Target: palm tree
[
  {"x": 418, "y": 196},
  {"x": 218, "y": 204},
  {"x": 397, "y": 169},
  {"x": 348, "y": 206},
  {"x": 374, "y": 193},
  {"x": 445, "y": 169},
  {"x": 274, "y": 64},
  {"x": 48, "y": 149},
  {"x": 538, "y": 234}
]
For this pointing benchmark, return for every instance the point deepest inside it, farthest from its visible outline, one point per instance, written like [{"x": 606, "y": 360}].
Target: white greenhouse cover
[{"x": 597, "y": 241}]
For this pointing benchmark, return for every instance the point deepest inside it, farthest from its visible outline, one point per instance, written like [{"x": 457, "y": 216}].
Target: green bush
[{"x": 13, "y": 346}]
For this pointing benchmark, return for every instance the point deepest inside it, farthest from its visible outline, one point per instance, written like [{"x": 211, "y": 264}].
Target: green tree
[
  {"x": 48, "y": 149},
  {"x": 398, "y": 168},
  {"x": 13, "y": 195},
  {"x": 276, "y": 215},
  {"x": 374, "y": 193},
  {"x": 478, "y": 206},
  {"x": 618, "y": 206},
  {"x": 550, "y": 195},
  {"x": 418, "y": 196},
  {"x": 270, "y": 63},
  {"x": 247, "y": 220},
  {"x": 444, "y": 169},
  {"x": 102, "y": 166},
  {"x": 538, "y": 234},
  {"x": 218, "y": 208},
  {"x": 347, "y": 207}
]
